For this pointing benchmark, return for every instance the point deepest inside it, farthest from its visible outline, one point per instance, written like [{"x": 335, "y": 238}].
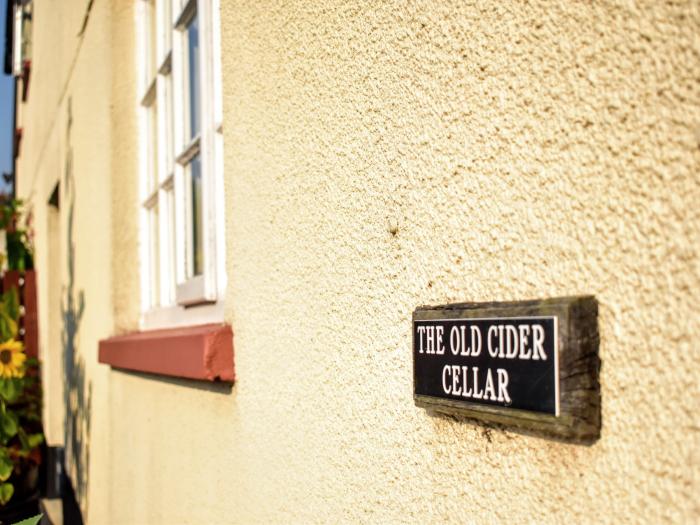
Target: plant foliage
[
  {"x": 20, "y": 403},
  {"x": 18, "y": 238}
]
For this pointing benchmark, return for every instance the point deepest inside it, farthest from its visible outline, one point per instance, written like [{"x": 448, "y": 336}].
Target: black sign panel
[{"x": 500, "y": 361}]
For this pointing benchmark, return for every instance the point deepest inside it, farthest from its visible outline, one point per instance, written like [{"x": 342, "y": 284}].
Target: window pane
[
  {"x": 151, "y": 39},
  {"x": 153, "y": 255},
  {"x": 197, "y": 226},
  {"x": 169, "y": 240},
  {"x": 168, "y": 118},
  {"x": 193, "y": 76},
  {"x": 152, "y": 158},
  {"x": 166, "y": 25}
]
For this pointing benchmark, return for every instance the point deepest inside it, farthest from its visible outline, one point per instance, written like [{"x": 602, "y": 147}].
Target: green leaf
[
  {"x": 34, "y": 440},
  {"x": 6, "y": 465},
  {"x": 34, "y": 520},
  {"x": 9, "y": 314},
  {"x": 9, "y": 424},
  {"x": 10, "y": 389},
  {"x": 8, "y": 325},
  {"x": 23, "y": 441},
  {"x": 6, "y": 491},
  {"x": 11, "y": 301}
]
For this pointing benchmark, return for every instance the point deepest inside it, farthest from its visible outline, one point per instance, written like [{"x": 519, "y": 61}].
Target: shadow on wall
[{"x": 77, "y": 390}]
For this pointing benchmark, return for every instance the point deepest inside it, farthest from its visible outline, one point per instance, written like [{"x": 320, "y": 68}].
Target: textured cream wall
[
  {"x": 124, "y": 157},
  {"x": 71, "y": 67},
  {"x": 521, "y": 151},
  {"x": 518, "y": 152}
]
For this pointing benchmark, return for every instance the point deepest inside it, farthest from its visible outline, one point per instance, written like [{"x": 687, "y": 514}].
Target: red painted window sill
[{"x": 203, "y": 352}]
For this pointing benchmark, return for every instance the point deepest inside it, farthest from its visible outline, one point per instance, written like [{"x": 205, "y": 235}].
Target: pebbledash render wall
[
  {"x": 66, "y": 131},
  {"x": 380, "y": 157}
]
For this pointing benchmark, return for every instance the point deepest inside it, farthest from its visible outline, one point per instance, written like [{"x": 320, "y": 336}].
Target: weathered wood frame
[{"x": 579, "y": 367}]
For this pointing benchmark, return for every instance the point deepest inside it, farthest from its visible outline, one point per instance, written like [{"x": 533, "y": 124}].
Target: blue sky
[{"x": 7, "y": 88}]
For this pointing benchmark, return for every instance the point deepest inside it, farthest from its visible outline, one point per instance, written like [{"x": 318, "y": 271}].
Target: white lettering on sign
[
  {"x": 457, "y": 381},
  {"x": 488, "y": 342},
  {"x": 430, "y": 339},
  {"x": 459, "y": 344},
  {"x": 439, "y": 330},
  {"x": 538, "y": 342},
  {"x": 502, "y": 341},
  {"x": 421, "y": 334}
]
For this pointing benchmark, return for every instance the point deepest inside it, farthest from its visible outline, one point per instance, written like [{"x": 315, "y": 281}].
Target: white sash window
[{"x": 181, "y": 188}]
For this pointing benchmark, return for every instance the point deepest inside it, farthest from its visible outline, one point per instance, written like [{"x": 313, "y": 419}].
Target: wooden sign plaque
[{"x": 532, "y": 364}]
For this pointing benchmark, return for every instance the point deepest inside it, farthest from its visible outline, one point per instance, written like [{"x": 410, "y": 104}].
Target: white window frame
[
  {"x": 182, "y": 299},
  {"x": 17, "y": 44},
  {"x": 22, "y": 11}
]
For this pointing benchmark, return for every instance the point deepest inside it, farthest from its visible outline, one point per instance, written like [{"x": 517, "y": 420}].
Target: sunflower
[{"x": 12, "y": 359}]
